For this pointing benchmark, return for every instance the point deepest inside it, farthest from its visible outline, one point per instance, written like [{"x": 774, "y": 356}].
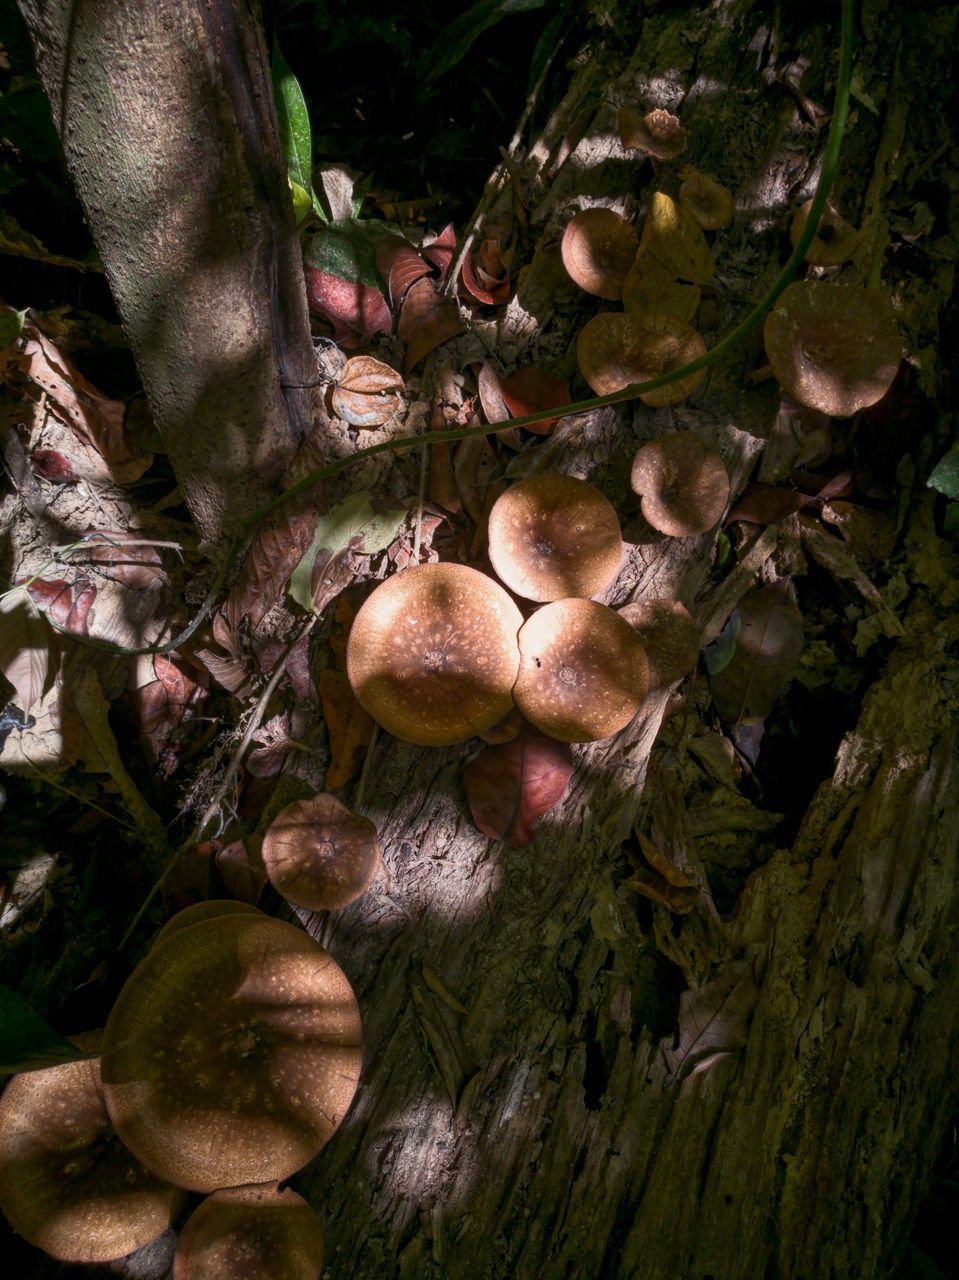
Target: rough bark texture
[{"x": 166, "y": 115}]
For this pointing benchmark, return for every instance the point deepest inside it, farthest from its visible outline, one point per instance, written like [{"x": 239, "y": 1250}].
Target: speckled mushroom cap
[
  {"x": 319, "y": 855},
  {"x": 583, "y": 672},
  {"x": 554, "y": 536},
  {"x": 232, "y": 1053},
  {"x": 67, "y": 1183},
  {"x": 683, "y": 484},
  {"x": 833, "y": 347},
  {"x": 615, "y": 350},
  {"x": 598, "y": 248},
  {"x": 668, "y": 634},
  {"x": 250, "y": 1233},
  {"x": 205, "y": 911},
  {"x": 432, "y": 654}
]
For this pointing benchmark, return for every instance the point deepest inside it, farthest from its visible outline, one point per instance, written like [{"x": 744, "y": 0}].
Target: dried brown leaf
[
  {"x": 529, "y": 390},
  {"x": 275, "y": 552},
  {"x": 273, "y": 746},
  {"x": 367, "y": 392},
  {"x": 401, "y": 266},
  {"x": 426, "y": 322},
  {"x": 510, "y": 786},
  {"x": 477, "y": 471},
  {"x": 439, "y": 252},
  {"x": 713, "y": 1020},
  {"x": 135, "y": 566},
  {"x": 24, "y": 647}
]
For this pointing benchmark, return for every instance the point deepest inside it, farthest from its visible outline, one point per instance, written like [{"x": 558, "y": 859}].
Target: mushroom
[
  {"x": 198, "y": 911},
  {"x": 668, "y": 634},
  {"x": 615, "y": 350},
  {"x": 432, "y": 654},
  {"x": 257, "y": 1233},
  {"x": 598, "y": 248},
  {"x": 659, "y": 133},
  {"x": 833, "y": 347},
  {"x": 232, "y": 1053},
  {"x": 583, "y": 672},
  {"x": 683, "y": 484},
  {"x": 710, "y": 203},
  {"x": 319, "y": 855},
  {"x": 835, "y": 240},
  {"x": 67, "y": 1183},
  {"x": 554, "y": 536}
]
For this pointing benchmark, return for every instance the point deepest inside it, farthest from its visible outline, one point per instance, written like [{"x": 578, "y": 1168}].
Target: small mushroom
[
  {"x": 710, "y": 203},
  {"x": 232, "y": 1053},
  {"x": 67, "y": 1182},
  {"x": 583, "y": 672},
  {"x": 432, "y": 654},
  {"x": 319, "y": 855},
  {"x": 835, "y": 240},
  {"x": 668, "y": 634},
  {"x": 257, "y": 1233},
  {"x": 683, "y": 484},
  {"x": 615, "y": 350},
  {"x": 658, "y": 133},
  {"x": 833, "y": 347},
  {"x": 554, "y": 536},
  {"x": 598, "y": 248}
]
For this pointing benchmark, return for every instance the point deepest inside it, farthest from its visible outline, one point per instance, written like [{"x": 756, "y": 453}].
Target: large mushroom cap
[
  {"x": 250, "y": 1233},
  {"x": 319, "y": 855},
  {"x": 615, "y": 350},
  {"x": 205, "y": 910},
  {"x": 598, "y": 248},
  {"x": 232, "y": 1053},
  {"x": 833, "y": 347},
  {"x": 583, "y": 673},
  {"x": 554, "y": 536},
  {"x": 684, "y": 485},
  {"x": 432, "y": 654},
  {"x": 67, "y": 1182}
]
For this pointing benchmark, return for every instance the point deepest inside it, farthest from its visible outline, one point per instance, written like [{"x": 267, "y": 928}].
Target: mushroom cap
[
  {"x": 683, "y": 484},
  {"x": 319, "y": 855},
  {"x": 669, "y": 636},
  {"x": 67, "y": 1182},
  {"x": 615, "y": 350},
  {"x": 835, "y": 240},
  {"x": 554, "y": 536},
  {"x": 232, "y": 1053},
  {"x": 198, "y": 911},
  {"x": 658, "y": 133},
  {"x": 710, "y": 203},
  {"x": 432, "y": 654},
  {"x": 257, "y": 1233},
  {"x": 598, "y": 248},
  {"x": 651, "y": 285},
  {"x": 583, "y": 672},
  {"x": 833, "y": 347}
]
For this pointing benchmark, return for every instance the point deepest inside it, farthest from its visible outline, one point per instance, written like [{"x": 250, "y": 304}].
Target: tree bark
[{"x": 165, "y": 111}]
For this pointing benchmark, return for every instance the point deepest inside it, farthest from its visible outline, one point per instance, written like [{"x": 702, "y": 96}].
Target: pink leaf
[{"x": 509, "y": 786}]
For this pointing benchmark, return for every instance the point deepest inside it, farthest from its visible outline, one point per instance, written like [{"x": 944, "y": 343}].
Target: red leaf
[
  {"x": 528, "y": 390},
  {"x": 508, "y": 787},
  {"x": 401, "y": 266},
  {"x": 767, "y": 504},
  {"x": 50, "y": 465},
  {"x": 485, "y": 277},
  {"x": 65, "y": 602},
  {"x": 440, "y": 252},
  {"x": 355, "y": 311},
  {"x": 426, "y": 322}
]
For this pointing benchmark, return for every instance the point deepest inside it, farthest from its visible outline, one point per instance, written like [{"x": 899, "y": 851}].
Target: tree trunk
[{"x": 166, "y": 115}]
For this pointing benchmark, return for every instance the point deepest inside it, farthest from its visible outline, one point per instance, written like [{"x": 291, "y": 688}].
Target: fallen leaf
[
  {"x": 767, "y": 649},
  {"x": 135, "y": 566},
  {"x": 491, "y": 394},
  {"x": 349, "y": 728},
  {"x": 713, "y": 1020},
  {"x": 24, "y": 647},
  {"x": 426, "y": 322},
  {"x": 68, "y": 603},
  {"x": 273, "y": 746},
  {"x": 241, "y": 868},
  {"x": 484, "y": 276},
  {"x": 367, "y": 392},
  {"x": 353, "y": 524},
  {"x": 509, "y": 786},
  {"x": 50, "y": 464},
  {"x": 529, "y": 390},
  {"x": 356, "y": 312},
  {"x": 439, "y": 252},
  {"x": 767, "y": 504},
  {"x": 477, "y": 471},
  {"x": 274, "y": 553},
  {"x": 400, "y": 266},
  {"x": 441, "y": 486},
  {"x": 871, "y": 535},
  {"x": 29, "y": 1043},
  {"x": 164, "y": 690}
]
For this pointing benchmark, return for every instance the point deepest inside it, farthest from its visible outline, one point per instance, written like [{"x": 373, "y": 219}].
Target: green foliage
[
  {"x": 295, "y": 136},
  {"x": 453, "y": 44},
  {"x": 27, "y": 1042},
  {"x": 944, "y": 476},
  {"x": 351, "y": 524},
  {"x": 346, "y": 249}
]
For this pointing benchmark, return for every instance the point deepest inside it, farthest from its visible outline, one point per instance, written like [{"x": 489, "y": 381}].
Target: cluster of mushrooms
[{"x": 231, "y": 1055}]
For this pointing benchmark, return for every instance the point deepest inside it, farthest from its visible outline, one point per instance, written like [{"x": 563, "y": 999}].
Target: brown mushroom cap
[
  {"x": 67, "y": 1182},
  {"x": 554, "y": 536},
  {"x": 669, "y": 636},
  {"x": 710, "y": 203},
  {"x": 658, "y": 133},
  {"x": 598, "y": 248},
  {"x": 319, "y": 855},
  {"x": 616, "y": 350},
  {"x": 432, "y": 654},
  {"x": 232, "y": 1053},
  {"x": 684, "y": 485},
  {"x": 835, "y": 240},
  {"x": 833, "y": 347},
  {"x": 204, "y": 911},
  {"x": 250, "y": 1233},
  {"x": 583, "y": 672}
]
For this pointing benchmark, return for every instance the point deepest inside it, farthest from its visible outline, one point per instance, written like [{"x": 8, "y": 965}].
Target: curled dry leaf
[
  {"x": 277, "y": 548},
  {"x": 510, "y": 786},
  {"x": 367, "y": 392},
  {"x": 401, "y": 266},
  {"x": 273, "y": 746},
  {"x": 753, "y": 663},
  {"x": 349, "y": 728},
  {"x": 870, "y": 534},
  {"x": 165, "y": 689},
  {"x": 426, "y": 322},
  {"x": 439, "y": 252},
  {"x": 24, "y": 647},
  {"x": 485, "y": 277},
  {"x": 529, "y": 390}
]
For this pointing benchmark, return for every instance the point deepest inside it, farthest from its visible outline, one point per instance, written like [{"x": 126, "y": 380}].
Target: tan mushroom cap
[
  {"x": 598, "y": 248},
  {"x": 319, "y": 855},
  {"x": 554, "y": 536},
  {"x": 204, "y": 911},
  {"x": 250, "y": 1233},
  {"x": 833, "y": 347},
  {"x": 668, "y": 634},
  {"x": 710, "y": 203},
  {"x": 616, "y": 350},
  {"x": 658, "y": 133},
  {"x": 583, "y": 673},
  {"x": 67, "y": 1182},
  {"x": 683, "y": 484},
  {"x": 432, "y": 654},
  {"x": 835, "y": 240},
  {"x": 232, "y": 1053}
]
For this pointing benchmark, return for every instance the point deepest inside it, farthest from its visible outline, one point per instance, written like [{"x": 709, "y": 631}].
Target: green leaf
[
  {"x": 11, "y": 326},
  {"x": 27, "y": 1042},
  {"x": 346, "y": 248},
  {"x": 950, "y": 521},
  {"x": 294, "y": 122},
  {"x": 354, "y": 524},
  {"x": 945, "y": 474},
  {"x": 455, "y": 42},
  {"x": 302, "y": 201}
]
